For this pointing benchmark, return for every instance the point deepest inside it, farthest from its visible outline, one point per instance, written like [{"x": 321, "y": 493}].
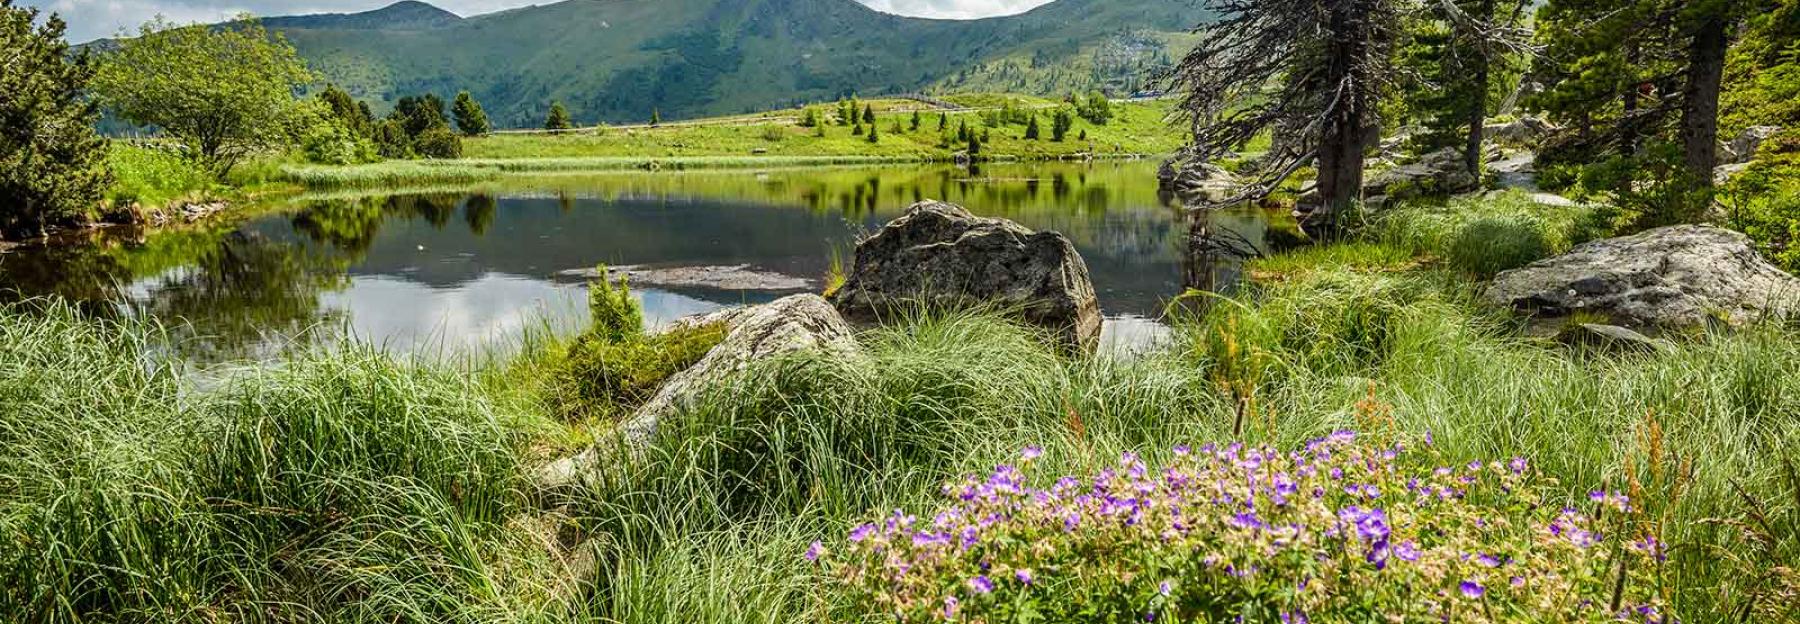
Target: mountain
[{"x": 616, "y": 60}]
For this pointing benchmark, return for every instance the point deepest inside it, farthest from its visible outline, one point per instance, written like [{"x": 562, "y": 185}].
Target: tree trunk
[
  {"x": 1341, "y": 139},
  {"x": 1700, "y": 99},
  {"x": 1478, "y": 96}
]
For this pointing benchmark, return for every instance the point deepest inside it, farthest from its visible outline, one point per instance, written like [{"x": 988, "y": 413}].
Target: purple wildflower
[
  {"x": 950, "y": 603},
  {"x": 1407, "y": 551},
  {"x": 1031, "y": 453},
  {"x": 1024, "y": 575},
  {"x": 1472, "y": 589},
  {"x": 981, "y": 584},
  {"x": 862, "y": 532},
  {"x": 813, "y": 551},
  {"x": 1164, "y": 588}
]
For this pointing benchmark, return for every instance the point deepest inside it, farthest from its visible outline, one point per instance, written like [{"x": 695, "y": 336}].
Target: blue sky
[{"x": 92, "y": 19}]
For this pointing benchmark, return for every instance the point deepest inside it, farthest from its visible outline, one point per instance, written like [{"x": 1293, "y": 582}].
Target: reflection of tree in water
[
  {"x": 1215, "y": 254},
  {"x": 352, "y": 225},
  {"x": 237, "y": 296}
]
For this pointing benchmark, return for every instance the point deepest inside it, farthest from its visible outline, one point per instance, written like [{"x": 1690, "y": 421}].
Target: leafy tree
[
  {"x": 52, "y": 165},
  {"x": 224, "y": 92},
  {"x": 354, "y": 115},
  {"x": 1096, "y": 108},
  {"x": 916, "y": 120},
  {"x": 470, "y": 118},
  {"x": 1031, "y": 129},
  {"x": 391, "y": 140},
  {"x": 558, "y": 119},
  {"x": 1060, "y": 123},
  {"x": 1083, "y": 136},
  {"x": 438, "y": 142},
  {"x": 1322, "y": 65}
]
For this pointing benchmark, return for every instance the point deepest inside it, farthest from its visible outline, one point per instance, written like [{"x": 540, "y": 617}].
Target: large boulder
[
  {"x": 938, "y": 256},
  {"x": 1742, "y": 148},
  {"x": 1524, "y": 132},
  {"x": 797, "y": 323},
  {"x": 1442, "y": 172},
  {"x": 1669, "y": 277},
  {"x": 1203, "y": 182}
]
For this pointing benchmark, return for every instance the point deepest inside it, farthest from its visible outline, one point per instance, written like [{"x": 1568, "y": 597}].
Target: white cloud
[{"x": 93, "y": 19}]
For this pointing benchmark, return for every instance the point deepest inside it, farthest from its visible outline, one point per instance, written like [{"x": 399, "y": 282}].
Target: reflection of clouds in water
[
  {"x": 487, "y": 313},
  {"x": 1131, "y": 336}
]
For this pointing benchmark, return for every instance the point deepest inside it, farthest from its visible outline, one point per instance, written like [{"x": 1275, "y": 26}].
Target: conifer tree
[
  {"x": 857, "y": 130},
  {"x": 52, "y": 164},
  {"x": 844, "y": 112},
  {"x": 347, "y": 110},
  {"x": 1060, "y": 124},
  {"x": 470, "y": 118},
  {"x": 558, "y": 119},
  {"x": 915, "y": 121},
  {"x": 655, "y": 117},
  {"x": 962, "y": 131},
  {"x": 874, "y": 133},
  {"x": 869, "y": 114},
  {"x": 943, "y": 122},
  {"x": 1031, "y": 129}
]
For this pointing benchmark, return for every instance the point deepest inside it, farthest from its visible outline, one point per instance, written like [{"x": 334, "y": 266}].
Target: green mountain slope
[{"x": 615, "y": 60}]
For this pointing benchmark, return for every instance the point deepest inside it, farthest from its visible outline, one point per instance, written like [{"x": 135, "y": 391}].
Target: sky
[{"x": 93, "y": 19}]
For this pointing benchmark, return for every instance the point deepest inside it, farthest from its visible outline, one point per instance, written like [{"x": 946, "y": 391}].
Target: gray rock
[
  {"x": 724, "y": 277},
  {"x": 1204, "y": 182},
  {"x": 1669, "y": 277},
  {"x": 938, "y": 256},
  {"x": 1742, "y": 148},
  {"x": 1525, "y": 132},
  {"x": 1724, "y": 173},
  {"x": 787, "y": 326},
  {"x": 1439, "y": 173}
]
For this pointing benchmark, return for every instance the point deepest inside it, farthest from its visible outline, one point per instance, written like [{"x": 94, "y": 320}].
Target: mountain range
[{"x": 615, "y": 61}]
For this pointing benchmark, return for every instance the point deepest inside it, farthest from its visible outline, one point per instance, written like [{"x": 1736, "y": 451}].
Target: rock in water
[
  {"x": 794, "y": 324},
  {"x": 1669, "y": 277},
  {"x": 1198, "y": 182},
  {"x": 938, "y": 256}
]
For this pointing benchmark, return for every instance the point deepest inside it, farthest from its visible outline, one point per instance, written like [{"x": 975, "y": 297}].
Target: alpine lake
[{"x": 466, "y": 270}]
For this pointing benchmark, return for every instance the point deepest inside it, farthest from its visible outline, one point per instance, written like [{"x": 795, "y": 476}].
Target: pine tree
[
  {"x": 52, "y": 164},
  {"x": 1031, "y": 129},
  {"x": 869, "y": 114},
  {"x": 558, "y": 119},
  {"x": 915, "y": 121},
  {"x": 1083, "y": 136},
  {"x": 470, "y": 118},
  {"x": 874, "y": 133},
  {"x": 1060, "y": 124},
  {"x": 856, "y": 130},
  {"x": 962, "y": 131},
  {"x": 943, "y": 122},
  {"x": 844, "y": 112},
  {"x": 655, "y": 117},
  {"x": 974, "y": 146},
  {"x": 347, "y": 110}
]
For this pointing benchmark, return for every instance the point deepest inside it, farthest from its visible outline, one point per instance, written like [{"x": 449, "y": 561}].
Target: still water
[{"x": 470, "y": 269}]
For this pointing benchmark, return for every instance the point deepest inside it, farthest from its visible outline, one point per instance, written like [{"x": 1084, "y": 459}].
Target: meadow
[{"x": 352, "y": 486}]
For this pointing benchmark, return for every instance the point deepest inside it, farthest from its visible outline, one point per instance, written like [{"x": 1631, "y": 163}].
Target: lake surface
[{"x": 470, "y": 269}]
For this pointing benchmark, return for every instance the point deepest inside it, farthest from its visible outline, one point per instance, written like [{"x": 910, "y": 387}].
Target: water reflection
[{"x": 468, "y": 268}]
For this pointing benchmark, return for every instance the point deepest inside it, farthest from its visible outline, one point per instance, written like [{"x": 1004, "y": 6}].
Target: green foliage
[
  {"x": 1031, "y": 129},
  {"x": 809, "y": 118},
  {"x": 558, "y": 118},
  {"x": 599, "y": 377},
  {"x": 471, "y": 119},
  {"x": 153, "y": 176},
  {"x": 614, "y": 314},
  {"x": 915, "y": 121},
  {"x": 51, "y": 162},
  {"x": 1061, "y": 122},
  {"x": 1095, "y": 108},
  {"x": 874, "y": 134},
  {"x": 1486, "y": 236},
  {"x": 655, "y": 117},
  {"x": 226, "y": 93},
  {"x": 868, "y": 116},
  {"x": 330, "y": 143},
  {"x": 391, "y": 140},
  {"x": 438, "y": 142},
  {"x": 1652, "y": 188},
  {"x": 1764, "y": 202},
  {"x": 348, "y": 112}
]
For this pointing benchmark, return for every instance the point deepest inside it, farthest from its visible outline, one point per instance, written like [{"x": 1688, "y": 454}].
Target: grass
[
  {"x": 154, "y": 177},
  {"x": 347, "y": 487}
]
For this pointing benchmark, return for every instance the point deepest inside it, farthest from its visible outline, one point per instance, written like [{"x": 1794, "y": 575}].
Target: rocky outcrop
[
  {"x": 1201, "y": 182},
  {"x": 1524, "y": 132},
  {"x": 938, "y": 256},
  {"x": 765, "y": 332},
  {"x": 1742, "y": 148},
  {"x": 1670, "y": 277},
  {"x": 1439, "y": 173}
]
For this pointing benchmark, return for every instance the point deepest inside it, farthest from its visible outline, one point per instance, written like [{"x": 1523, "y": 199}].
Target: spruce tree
[
  {"x": 346, "y": 110},
  {"x": 470, "y": 118},
  {"x": 915, "y": 121},
  {"x": 874, "y": 133},
  {"x": 869, "y": 114},
  {"x": 844, "y": 112},
  {"x": 1031, "y": 129},
  {"x": 962, "y": 131},
  {"x": 943, "y": 121},
  {"x": 655, "y": 117},
  {"x": 52, "y": 164},
  {"x": 558, "y": 119},
  {"x": 857, "y": 130}
]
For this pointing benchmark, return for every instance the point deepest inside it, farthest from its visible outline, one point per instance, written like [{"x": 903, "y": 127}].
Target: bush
[
  {"x": 153, "y": 176},
  {"x": 440, "y": 143},
  {"x": 598, "y": 377},
  {"x": 1339, "y": 531},
  {"x": 330, "y": 143}
]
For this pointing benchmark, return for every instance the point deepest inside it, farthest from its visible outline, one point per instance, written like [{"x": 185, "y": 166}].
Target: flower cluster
[{"x": 1338, "y": 531}]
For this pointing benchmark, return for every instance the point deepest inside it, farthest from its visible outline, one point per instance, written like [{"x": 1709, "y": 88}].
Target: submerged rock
[
  {"x": 723, "y": 277},
  {"x": 790, "y": 325},
  {"x": 1198, "y": 181},
  {"x": 938, "y": 256},
  {"x": 1669, "y": 277}
]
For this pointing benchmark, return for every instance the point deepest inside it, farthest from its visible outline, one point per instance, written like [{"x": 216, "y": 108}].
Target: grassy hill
[{"x": 616, "y": 60}]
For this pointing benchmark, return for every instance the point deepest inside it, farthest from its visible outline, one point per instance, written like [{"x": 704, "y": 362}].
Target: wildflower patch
[{"x": 1338, "y": 531}]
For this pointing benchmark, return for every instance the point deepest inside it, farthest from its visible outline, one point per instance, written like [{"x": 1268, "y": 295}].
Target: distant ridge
[
  {"x": 614, "y": 61},
  {"x": 404, "y": 15}
]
